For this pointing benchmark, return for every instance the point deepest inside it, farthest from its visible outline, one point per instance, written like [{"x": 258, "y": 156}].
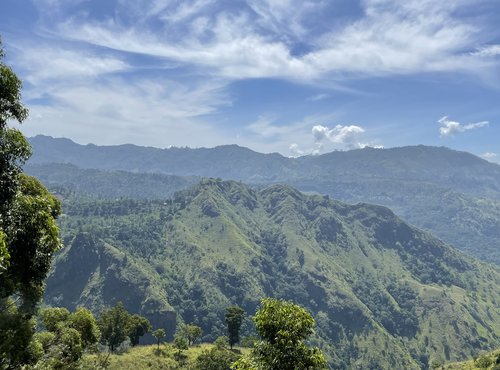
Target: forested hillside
[
  {"x": 382, "y": 292},
  {"x": 109, "y": 184},
  {"x": 454, "y": 195}
]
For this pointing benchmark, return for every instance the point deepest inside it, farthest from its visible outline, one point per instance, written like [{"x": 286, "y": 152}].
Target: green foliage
[
  {"x": 51, "y": 318},
  {"x": 11, "y": 106},
  {"x": 159, "y": 334},
  {"x": 221, "y": 342},
  {"x": 180, "y": 344},
  {"x": 191, "y": 332},
  {"x": 234, "y": 319},
  {"x": 137, "y": 327},
  {"x": 28, "y": 233},
  {"x": 215, "y": 359},
  {"x": 85, "y": 323},
  {"x": 113, "y": 324},
  {"x": 117, "y": 324},
  {"x": 66, "y": 337},
  {"x": 16, "y": 333},
  {"x": 283, "y": 326},
  {"x": 4, "y": 254},
  {"x": 483, "y": 362}
]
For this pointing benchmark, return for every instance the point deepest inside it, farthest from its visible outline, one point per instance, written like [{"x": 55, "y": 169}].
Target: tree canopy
[
  {"x": 283, "y": 327},
  {"x": 234, "y": 318},
  {"x": 116, "y": 325},
  {"x": 28, "y": 232}
]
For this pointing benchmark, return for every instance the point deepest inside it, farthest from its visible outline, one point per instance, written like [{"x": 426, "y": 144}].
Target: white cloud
[
  {"x": 318, "y": 97},
  {"x": 295, "y": 150},
  {"x": 345, "y": 136},
  {"x": 449, "y": 127},
  {"x": 46, "y": 63},
  {"x": 491, "y": 157},
  {"x": 325, "y": 139},
  {"x": 94, "y": 81},
  {"x": 393, "y": 37},
  {"x": 488, "y": 51}
]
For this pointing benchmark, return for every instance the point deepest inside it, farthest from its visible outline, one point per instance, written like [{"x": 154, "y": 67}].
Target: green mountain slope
[
  {"x": 455, "y": 195},
  {"x": 384, "y": 294},
  {"x": 94, "y": 274}
]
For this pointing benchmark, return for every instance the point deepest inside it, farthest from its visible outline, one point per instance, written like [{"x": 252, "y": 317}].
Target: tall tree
[
  {"x": 28, "y": 232},
  {"x": 283, "y": 327},
  {"x": 234, "y": 319},
  {"x": 191, "y": 332},
  {"x": 159, "y": 334},
  {"x": 137, "y": 327},
  {"x": 113, "y": 324}
]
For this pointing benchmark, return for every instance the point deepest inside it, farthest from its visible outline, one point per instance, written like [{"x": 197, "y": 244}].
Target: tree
[
  {"x": 234, "y": 319},
  {"x": 283, "y": 327},
  {"x": 181, "y": 344},
  {"x": 116, "y": 324},
  {"x": 65, "y": 338},
  {"x": 215, "y": 359},
  {"x": 137, "y": 327},
  {"x": 53, "y": 317},
  {"x": 113, "y": 324},
  {"x": 28, "y": 232},
  {"x": 85, "y": 323},
  {"x": 191, "y": 332},
  {"x": 159, "y": 334}
]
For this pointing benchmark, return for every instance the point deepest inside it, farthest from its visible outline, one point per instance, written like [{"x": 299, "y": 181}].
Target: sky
[{"x": 296, "y": 77}]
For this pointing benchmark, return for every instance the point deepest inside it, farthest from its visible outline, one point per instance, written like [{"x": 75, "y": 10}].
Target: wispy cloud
[
  {"x": 46, "y": 63},
  {"x": 449, "y": 127},
  {"x": 86, "y": 67},
  {"x": 318, "y": 97},
  {"x": 488, "y": 51},
  {"x": 392, "y": 37}
]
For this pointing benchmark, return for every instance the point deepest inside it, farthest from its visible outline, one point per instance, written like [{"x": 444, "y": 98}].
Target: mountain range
[
  {"x": 384, "y": 294},
  {"x": 455, "y": 195}
]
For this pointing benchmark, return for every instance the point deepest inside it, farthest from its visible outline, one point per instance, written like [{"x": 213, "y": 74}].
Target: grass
[
  {"x": 150, "y": 357},
  {"x": 488, "y": 359}
]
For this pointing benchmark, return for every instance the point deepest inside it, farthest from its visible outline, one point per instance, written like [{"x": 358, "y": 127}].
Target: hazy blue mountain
[{"x": 455, "y": 195}]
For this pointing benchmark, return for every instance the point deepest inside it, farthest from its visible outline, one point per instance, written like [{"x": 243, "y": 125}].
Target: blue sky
[{"x": 288, "y": 76}]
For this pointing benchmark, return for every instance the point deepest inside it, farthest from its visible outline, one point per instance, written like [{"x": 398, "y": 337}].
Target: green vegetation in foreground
[
  {"x": 484, "y": 361},
  {"x": 29, "y": 236},
  {"x": 149, "y": 357}
]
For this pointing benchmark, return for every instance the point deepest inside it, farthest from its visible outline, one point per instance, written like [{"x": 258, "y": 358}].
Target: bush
[{"x": 483, "y": 362}]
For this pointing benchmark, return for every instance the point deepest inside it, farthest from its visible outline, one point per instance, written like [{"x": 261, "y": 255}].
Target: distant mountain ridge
[
  {"x": 382, "y": 292},
  {"x": 423, "y": 163},
  {"x": 455, "y": 195}
]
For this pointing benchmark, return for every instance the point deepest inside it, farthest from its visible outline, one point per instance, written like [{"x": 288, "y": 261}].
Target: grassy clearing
[{"x": 152, "y": 358}]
